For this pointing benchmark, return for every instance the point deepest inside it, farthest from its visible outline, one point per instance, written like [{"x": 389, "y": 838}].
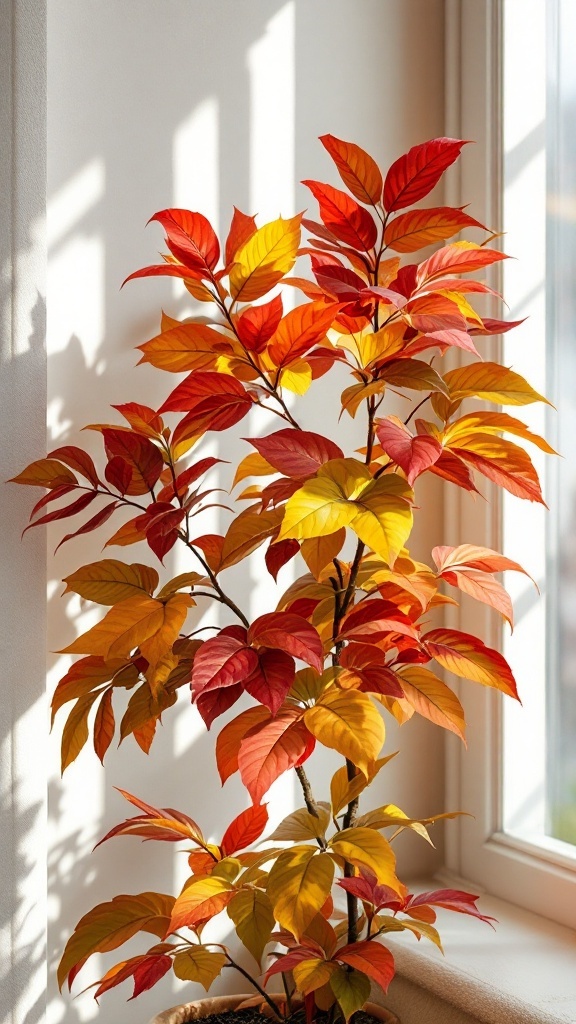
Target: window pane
[{"x": 561, "y": 344}]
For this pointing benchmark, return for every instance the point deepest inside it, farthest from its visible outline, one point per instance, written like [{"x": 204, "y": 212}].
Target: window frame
[{"x": 540, "y": 879}]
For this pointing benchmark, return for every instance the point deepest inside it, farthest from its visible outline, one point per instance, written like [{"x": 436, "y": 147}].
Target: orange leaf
[
  {"x": 431, "y": 698},
  {"x": 271, "y": 748},
  {"x": 241, "y": 229},
  {"x": 247, "y": 532},
  {"x": 244, "y": 830},
  {"x": 229, "y": 740},
  {"x": 200, "y": 901},
  {"x": 465, "y": 655},
  {"x": 108, "y": 925},
  {"x": 45, "y": 473},
  {"x": 359, "y": 172},
  {"x": 301, "y": 329},
  {"x": 109, "y": 581},
  {"x": 418, "y": 228},
  {"x": 186, "y": 347}
]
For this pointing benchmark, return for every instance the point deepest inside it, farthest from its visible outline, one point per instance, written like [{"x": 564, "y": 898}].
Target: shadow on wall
[{"x": 141, "y": 95}]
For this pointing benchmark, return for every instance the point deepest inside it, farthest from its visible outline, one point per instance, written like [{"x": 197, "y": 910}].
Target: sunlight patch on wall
[{"x": 271, "y": 65}]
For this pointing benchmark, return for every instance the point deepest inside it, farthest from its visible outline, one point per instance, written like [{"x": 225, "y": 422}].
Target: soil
[{"x": 252, "y": 1015}]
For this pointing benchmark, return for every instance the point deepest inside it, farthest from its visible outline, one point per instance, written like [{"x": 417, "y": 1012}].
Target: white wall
[{"x": 178, "y": 102}]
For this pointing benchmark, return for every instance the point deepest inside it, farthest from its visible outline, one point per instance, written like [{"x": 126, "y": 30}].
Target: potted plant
[{"x": 349, "y": 641}]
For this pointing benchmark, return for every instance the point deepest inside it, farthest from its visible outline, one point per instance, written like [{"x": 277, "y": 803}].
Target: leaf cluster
[{"x": 349, "y": 642}]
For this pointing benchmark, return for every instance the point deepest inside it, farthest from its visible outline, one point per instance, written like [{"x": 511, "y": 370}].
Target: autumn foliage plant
[{"x": 349, "y": 642}]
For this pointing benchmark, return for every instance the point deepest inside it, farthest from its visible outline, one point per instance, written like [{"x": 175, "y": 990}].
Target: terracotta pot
[{"x": 219, "y": 1004}]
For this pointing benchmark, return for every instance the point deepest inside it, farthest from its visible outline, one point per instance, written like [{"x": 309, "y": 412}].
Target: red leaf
[
  {"x": 257, "y": 324},
  {"x": 449, "y": 899},
  {"x": 104, "y": 725},
  {"x": 289, "y": 633},
  {"x": 216, "y": 402},
  {"x": 270, "y": 682},
  {"x": 495, "y": 326},
  {"x": 149, "y": 971},
  {"x": 142, "y": 456},
  {"x": 118, "y": 473},
  {"x": 366, "y": 663},
  {"x": 64, "y": 513},
  {"x": 279, "y": 554},
  {"x": 365, "y": 886},
  {"x": 77, "y": 459},
  {"x": 51, "y": 496},
  {"x": 359, "y": 172},
  {"x": 413, "y": 454},
  {"x": 241, "y": 229},
  {"x": 296, "y": 453},
  {"x": 101, "y": 517},
  {"x": 374, "y": 619},
  {"x": 415, "y": 174},
  {"x": 271, "y": 748},
  {"x": 190, "y": 238},
  {"x": 244, "y": 830},
  {"x": 160, "y": 523},
  {"x": 344, "y": 217},
  {"x": 214, "y": 703},
  {"x": 453, "y": 469},
  {"x": 222, "y": 661},
  {"x": 369, "y": 958},
  {"x": 339, "y": 282}
]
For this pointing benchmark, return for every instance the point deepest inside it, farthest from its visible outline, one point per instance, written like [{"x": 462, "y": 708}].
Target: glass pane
[{"x": 561, "y": 345}]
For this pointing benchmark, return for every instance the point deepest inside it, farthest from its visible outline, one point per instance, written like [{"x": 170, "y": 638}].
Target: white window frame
[{"x": 540, "y": 880}]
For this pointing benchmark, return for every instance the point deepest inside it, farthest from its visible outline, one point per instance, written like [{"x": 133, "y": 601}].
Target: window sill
[{"x": 524, "y": 973}]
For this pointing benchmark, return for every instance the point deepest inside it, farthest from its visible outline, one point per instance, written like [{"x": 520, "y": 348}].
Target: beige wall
[{"x": 206, "y": 105}]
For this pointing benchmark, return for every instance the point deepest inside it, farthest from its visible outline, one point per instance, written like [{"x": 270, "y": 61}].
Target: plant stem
[
  {"x": 265, "y": 996},
  {"x": 311, "y": 805},
  {"x": 288, "y": 994},
  {"x": 222, "y": 596}
]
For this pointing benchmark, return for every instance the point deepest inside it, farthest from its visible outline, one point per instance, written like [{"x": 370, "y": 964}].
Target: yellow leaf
[
  {"x": 198, "y": 964},
  {"x": 344, "y": 493},
  {"x": 493, "y": 383},
  {"x": 264, "y": 259},
  {"x": 301, "y": 825},
  {"x": 299, "y": 885},
  {"x": 343, "y": 790},
  {"x": 124, "y": 627},
  {"x": 365, "y": 847},
  {"x": 308, "y": 685},
  {"x": 297, "y": 377},
  {"x": 110, "y": 581},
  {"x": 384, "y": 521},
  {"x": 347, "y": 721},
  {"x": 352, "y": 990},
  {"x": 312, "y": 974},
  {"x": 251, "y": 912}
]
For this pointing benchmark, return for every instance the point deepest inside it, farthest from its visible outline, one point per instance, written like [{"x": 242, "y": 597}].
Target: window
[{"x": 519, "y": 776}]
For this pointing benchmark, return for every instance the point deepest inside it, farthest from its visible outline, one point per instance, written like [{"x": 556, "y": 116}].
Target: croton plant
[{"x": 349, "y": 642}]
